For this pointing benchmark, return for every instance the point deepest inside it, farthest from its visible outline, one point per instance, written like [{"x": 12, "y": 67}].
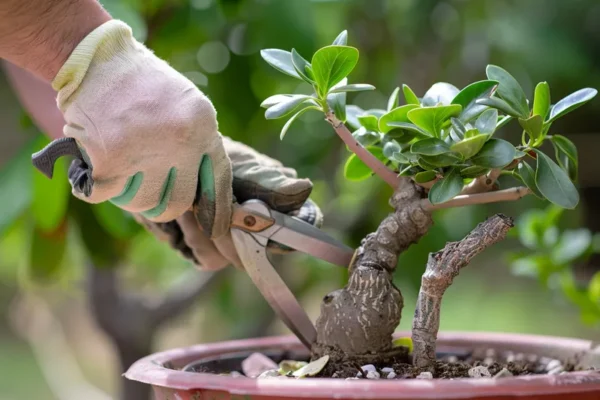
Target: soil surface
[{"x": 480, "y": 363}]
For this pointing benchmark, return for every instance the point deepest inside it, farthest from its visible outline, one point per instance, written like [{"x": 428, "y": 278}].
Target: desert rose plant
[{"x": 437, "y": 151}]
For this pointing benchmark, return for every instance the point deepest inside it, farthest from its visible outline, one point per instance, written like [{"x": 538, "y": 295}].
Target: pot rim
[{"x": 150, "y": 370}]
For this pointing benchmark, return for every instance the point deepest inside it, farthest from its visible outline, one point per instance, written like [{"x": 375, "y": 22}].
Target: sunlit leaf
[
  {"x": 409, "y": 129},
  {"x": 393, "y": 100},
  {"x": 275, "y": 99},
  {"x": 286, "y": 107},
  {"x": 440, "y": 93},
  {"x": 499, "y": 104},
  {"x": 337, "y": 101},
  {"x": 390, "y": 148},
  {"x": 572, "y": 245},
  {"x": 409, "y": 96},
  {"x": 446, "y": 188},
  {"x": 533, "y": 125},
  {"x": 331, "y": 64},
  {"x": 356, "y": 87},
  {"x": 486, "y": 123},
  {"x": 312, "y": 368},
  {"x": 398, "y": 114},
  {"x": 509, "y": 89},
  {"x": 430, "y": 147},
  {"x": 365, "y": 137},
  {"x": 370, "y": 122},
  {"x": 541, "y": 100},
  {"x": 290, "y": 121},
  {"x": 341, "y": 39},
  {"x": 554, "y": 183},
  {"x": 281, "y": 60},
  {"x": 431, "y": 119},
  {"x": 572, "y": 102},
  {"x": 470, "y": 146}
]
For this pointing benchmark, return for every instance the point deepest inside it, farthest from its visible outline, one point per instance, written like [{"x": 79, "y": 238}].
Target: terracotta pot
[{"x": 175, "y": 384}]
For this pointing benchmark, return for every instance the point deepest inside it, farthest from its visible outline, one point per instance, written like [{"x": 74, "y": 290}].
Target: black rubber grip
[{"x": 45, "y": 159}]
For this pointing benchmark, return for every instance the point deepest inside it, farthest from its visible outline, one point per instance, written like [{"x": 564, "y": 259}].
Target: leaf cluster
[{"x": 445, "y": 138}]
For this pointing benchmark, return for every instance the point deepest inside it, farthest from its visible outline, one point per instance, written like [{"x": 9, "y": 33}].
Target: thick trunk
[
  {"x": 357, "y": 322},
  {"x": 128, "y": 354}
]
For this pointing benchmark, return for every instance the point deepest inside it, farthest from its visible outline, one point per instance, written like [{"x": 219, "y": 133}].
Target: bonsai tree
[{"x": 437, "y": 151}]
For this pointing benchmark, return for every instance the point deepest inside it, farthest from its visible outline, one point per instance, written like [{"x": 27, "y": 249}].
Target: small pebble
[
  {"x": 387, "y": 370},
  {"x": 556, "y": 370},
  {"x": 368, "y": 367},
  {"x": 335, "y": 375},
  {"x": 236, "y": 374},
  {"x": 373, "y": 375},
  {"x": 504, "y": 373},
  {"x": 452, "y": 359},
  {"x": 351, "y": 379},
  {"x": 488, "y": 361},
  {"x": 391, "y": 375},
  {"x": 510, "y": 358},
  {"x": 479, "y": 372},
  {"x": 553, "y": 364},
  {"x": 272, "y": 373},
  {"x": 425, "y": 375},
  {"x": 256, "y": 364}
]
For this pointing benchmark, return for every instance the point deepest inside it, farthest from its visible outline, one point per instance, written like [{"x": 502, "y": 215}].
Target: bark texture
[
  {"x": 442, "y": 267},
  {"x": 357, "y": 322}
]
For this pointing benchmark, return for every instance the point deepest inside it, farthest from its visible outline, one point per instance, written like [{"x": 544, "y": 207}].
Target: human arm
[{"x": 39, "y": 35}]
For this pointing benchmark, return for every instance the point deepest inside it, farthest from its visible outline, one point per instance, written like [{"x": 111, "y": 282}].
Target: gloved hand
[
  {"x": 255, "y": 176},
  {"x": 148, "y": 136}
]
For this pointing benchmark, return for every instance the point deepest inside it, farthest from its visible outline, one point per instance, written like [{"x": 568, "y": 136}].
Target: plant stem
[
  {"x": 442, "y": 268},
  {"x": 511, "y": 194},
  {"x": 389, "y": 176}
]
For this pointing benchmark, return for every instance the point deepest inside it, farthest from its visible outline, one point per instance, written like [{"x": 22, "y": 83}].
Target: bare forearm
[{"x": 39, "y": 35}]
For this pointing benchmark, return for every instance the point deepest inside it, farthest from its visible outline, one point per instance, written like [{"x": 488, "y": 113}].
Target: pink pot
[{"x": 171, "y": 384}]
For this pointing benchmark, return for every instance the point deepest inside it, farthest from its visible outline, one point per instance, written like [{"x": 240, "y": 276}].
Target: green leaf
[
  {"x": 425, "y": 165},
  {"x": 400, "y": 158},
  {"x": 337, "y": 103},
  {"x": 440, "y": 93},
  {"x": 331, "y": 64},
  {"x": 554, "y": 183},
  {"x": 15, "y": 185},
  {"x": 446, "y": 188},
  {"x": 115, "y": 221},
  {"x": 50, "y": 196},
  {"x": 356, "y": 87},
  {"x": 390, "y": 148},
  {"x": 393, "y": 100},
  {"x": 47, "y": 253},
  {"x": 486, "y": 123},
  {"x": 468, "y": 97},
  {"x": 430, "y": 147},
  {"x": 409, "y": 96},
  {"x": 275, "y": 99},
  {"x": 425, "y": 176},
  {"x": 281, "y": 60},
  {"x": 356, "y": 170},
  {"x": 442, "y": 160},
  {"x": 341, "y": 39},
  {"x": 571, "y": 102},
  {"x": 431, "y": 119},
  {"x": 470, "y": 146},
  {"x": 566, "y": 155},
  {"x": 594, "y": 288},
  {"x": 499, "y": 104},
  {"x": 409, "y": 129},
  {"x": 459, "y": 127},
  {"x": 365, "y": 137},
  {"x": 398, "y": 114},
  {"x": 573, "y": 244},
  {"x": 509, "y": 89},
  {"x": 533, "y": 126},
  {"x": 286, "y": 107},
  {"x": 541, "y": 100},
  {"x": 409, "y": 171},
  {"x": 495, "y": 153},
  {"x": 404, "y": 342},
  {"x": 527, "y": 175},
  {"x": 294, "y": 117},
  {"x": 473, "y": 171},
  {"x": 370, "y": 122},
  {"x": 352, "y": 114},
  {"x": 300, "y": 65}
]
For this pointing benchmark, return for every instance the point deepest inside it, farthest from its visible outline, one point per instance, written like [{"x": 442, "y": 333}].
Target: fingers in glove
[{"x": 204, "y": 250}]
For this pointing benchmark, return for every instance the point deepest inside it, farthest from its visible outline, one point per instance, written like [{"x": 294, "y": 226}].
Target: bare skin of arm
[{"x": 39, "y": 35}]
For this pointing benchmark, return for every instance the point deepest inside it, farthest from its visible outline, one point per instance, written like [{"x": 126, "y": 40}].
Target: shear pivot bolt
[{"x": 249, "y": 220}]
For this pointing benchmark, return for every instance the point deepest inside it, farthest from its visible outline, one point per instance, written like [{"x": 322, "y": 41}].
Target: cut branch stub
[
  {"x": 357, "y": 322},
  {"x": 442, "y": 267}
]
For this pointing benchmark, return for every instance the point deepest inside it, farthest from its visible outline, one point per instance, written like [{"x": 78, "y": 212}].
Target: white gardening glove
[
  {"x": 255, "y": 176},
  {"x": 148, "y": 136}
]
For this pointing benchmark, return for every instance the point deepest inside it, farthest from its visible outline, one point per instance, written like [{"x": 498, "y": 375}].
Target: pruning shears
[{"x": 254, "y": 224}]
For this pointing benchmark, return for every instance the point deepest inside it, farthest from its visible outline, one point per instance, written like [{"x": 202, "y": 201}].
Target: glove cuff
[{"x": 101, "y": 45}]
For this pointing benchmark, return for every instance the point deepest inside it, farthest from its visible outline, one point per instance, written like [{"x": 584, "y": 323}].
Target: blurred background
[{"x": 84, "y": 291}]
